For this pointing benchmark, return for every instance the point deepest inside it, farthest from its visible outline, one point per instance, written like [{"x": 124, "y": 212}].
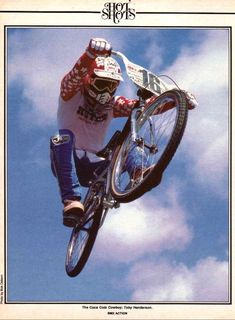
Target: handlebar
[{"x": 119, "y": 55}]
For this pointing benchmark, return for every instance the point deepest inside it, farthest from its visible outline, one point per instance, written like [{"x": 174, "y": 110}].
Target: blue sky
[{"x": 170, "y": 245}]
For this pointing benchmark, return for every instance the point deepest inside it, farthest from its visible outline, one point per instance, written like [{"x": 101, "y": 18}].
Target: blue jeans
[{"x": 72, "y": 172}]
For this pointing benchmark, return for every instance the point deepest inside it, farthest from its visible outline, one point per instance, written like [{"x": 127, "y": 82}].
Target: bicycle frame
[{"x": 105, "y": 198}]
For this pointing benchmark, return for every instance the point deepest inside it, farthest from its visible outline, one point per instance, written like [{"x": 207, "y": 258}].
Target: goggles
[{"x": 104, "y": 84}]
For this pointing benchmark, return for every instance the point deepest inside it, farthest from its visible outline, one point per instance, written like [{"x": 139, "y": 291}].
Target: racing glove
[
  {"x": 192, "y": 102},
  {"x": 98, "y": 47}
]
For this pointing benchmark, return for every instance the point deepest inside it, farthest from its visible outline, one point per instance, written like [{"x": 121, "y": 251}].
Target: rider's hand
[
  {"x": 192, "y": 102},
  {"x": 98, "y": 47}
]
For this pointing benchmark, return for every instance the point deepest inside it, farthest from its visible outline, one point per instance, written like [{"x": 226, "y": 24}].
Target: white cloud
[
  {"x": 155, "y": 63},
  {"x": 166, "y": 281},
  {"x": 202, "y": 67},
  {"x": 142, "y": 227}
]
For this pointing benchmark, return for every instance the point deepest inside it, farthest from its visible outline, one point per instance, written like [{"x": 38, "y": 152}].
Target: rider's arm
[
  {"x": 72, "y": 81},
  {"x": 122, "y": 106}
]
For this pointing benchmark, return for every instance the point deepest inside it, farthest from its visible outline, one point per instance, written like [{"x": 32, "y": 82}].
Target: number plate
[{"x": 145, "y": 79}]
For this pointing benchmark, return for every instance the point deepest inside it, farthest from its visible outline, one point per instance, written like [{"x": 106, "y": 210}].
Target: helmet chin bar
[{"x": 102, "y": 98}]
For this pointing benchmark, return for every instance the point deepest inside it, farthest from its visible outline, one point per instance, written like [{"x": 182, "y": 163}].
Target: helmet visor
[{"x": 101, "y": 84}]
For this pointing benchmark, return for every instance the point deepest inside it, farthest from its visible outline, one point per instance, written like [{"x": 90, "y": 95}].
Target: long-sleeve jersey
[{"x": 89, "y": 123}]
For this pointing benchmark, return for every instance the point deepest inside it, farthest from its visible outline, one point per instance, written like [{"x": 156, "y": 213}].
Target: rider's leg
[{"x": 62, "y": 161}]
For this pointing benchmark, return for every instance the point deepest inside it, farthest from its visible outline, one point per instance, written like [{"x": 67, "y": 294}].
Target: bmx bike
[{"x": 156, "y": 126}]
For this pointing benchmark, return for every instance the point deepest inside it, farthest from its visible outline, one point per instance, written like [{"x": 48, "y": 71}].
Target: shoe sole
[{"x": 73, "y": 218}]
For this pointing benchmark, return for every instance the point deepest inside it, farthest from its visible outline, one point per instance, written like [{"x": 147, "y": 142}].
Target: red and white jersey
[{"x": 89, "y": 123}]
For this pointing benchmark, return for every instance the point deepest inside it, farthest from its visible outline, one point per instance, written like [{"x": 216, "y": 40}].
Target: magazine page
[{"x": 141, "y": 229}]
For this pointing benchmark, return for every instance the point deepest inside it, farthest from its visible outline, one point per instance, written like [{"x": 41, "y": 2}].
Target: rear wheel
[
  {"x": 83, "y": 237},
  {"x": 159, "y": 131}
]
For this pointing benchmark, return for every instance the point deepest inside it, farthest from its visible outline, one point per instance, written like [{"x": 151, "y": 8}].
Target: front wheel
[
  {"x": 83, "y": 237},
  {"x": 159, "y": 129}
]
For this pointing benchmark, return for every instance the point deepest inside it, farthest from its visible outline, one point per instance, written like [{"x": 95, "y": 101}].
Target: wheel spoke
[{"x": 153, "y": 133}]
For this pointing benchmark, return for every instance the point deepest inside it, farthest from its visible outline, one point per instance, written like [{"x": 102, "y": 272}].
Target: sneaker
[{"x": 73, "y": 213}]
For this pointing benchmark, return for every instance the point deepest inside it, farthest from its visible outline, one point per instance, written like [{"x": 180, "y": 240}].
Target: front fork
[
  {"x": 134, "y": 135},
  {"x": 135, "y": 138}
]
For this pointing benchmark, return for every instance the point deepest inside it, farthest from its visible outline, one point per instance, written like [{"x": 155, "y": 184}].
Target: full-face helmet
[{"x": 103, "y": 79}]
